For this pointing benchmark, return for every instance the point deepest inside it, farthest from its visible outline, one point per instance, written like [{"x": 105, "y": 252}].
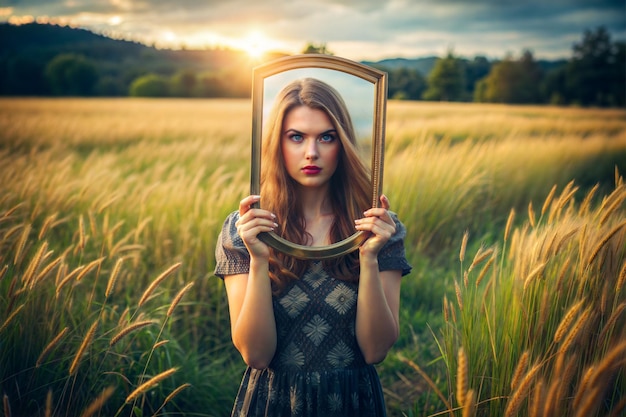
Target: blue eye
[
  {"x": 296, "y": 137},
  {"x": 327, "y": 138}
]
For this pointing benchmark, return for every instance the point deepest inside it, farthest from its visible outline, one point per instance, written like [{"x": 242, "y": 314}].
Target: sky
[{"x": 354, "y": 29}]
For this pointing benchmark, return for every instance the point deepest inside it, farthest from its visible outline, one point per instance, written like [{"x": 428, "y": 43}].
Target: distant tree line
[
  {"x": 86, "y": 64},
  {"x": 595, "y": 75}
]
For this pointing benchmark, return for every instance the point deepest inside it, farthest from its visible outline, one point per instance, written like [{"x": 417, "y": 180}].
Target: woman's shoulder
[
  {"x": 231, "y": 254},
  {"x": 393, "y": 255}
]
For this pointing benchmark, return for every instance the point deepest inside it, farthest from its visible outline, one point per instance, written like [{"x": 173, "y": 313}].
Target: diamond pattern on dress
[
  {"x": 294, "y": 301},
  {"x": 342, "y": 298},
  {"x": 315, "y": 275},
  {"x": 292, "y": 357},
  {"x": 340, "y": 356},
  {"x": 316, "y": 329}
]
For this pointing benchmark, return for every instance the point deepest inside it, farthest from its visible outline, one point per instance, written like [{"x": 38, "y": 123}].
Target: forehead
[{"x": 304, "y": 117}]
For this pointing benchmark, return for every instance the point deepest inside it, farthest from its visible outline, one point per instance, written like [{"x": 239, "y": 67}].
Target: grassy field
[{"x": 110, "y": 209}]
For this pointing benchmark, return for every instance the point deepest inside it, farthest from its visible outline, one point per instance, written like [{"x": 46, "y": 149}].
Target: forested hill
[
  {"x": 26, "y": 53},
  {"x": 44, "y": 59}
]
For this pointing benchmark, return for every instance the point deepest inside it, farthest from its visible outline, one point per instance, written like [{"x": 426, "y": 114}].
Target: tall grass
[
  {"x": 109, "y": 211},
  {"x": 548, "y": 319}
]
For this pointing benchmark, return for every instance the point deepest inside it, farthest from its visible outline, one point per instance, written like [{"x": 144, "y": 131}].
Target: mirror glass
[{"x": 364, "y": 90}]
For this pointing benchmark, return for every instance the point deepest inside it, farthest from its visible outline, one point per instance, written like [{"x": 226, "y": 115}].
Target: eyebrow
[{"x": 299, "y": 132}]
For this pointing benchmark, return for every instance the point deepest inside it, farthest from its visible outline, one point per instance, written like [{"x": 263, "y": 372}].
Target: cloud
[{"x": 358, "y": 29}]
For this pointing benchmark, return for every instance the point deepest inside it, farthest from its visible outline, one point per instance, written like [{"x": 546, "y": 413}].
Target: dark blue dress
[{"x": 318, "y": 369}]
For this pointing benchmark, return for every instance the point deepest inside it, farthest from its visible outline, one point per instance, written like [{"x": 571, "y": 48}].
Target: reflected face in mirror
[
  {"x": 310, "y": 147},
  {"x": 309, "y": 141}
]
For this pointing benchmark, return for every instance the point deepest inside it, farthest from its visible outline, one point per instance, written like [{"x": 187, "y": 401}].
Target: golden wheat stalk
[
  {"x": 67, "y": 278},
  {"x": 612, "y": 361},
  {"x": 459, "y": 296},
  {"x": 586, "y": 203},
  {"x": 173, "y": 395},
  {"x": 7, "y": 406},
  {"x": 81, "y": 233},
  {"x": 604, "y": 241},
  {"x": 428, "y": 380},
  {"x": 480, "y": 256},
  {"x": 446, "y": 313},
  {"x": 548, "y": 200},
  {"x": 90, "y": 267},
  {"x": 157, "y": 281},
  {"x": 123, "y": 316},
  {"x": 531, "y": 215},
  {"x": 583, "y": 386},
  {"x": 577, "y": 329},
  {"x": 12, "y": 210},
  {"x": 83, "y": 346},
  {"x": 177, "y": 299},
  {"x": 483, "y": 271},
  {"x": 520, "y": 369},
  {"x": 46, "y": 270},
  {"x": 463, "y": 246},
  {"x": 4, "y": 271},
  {"x": 610, "y": 210},
  {"x": 160, "y": 343},
  {"x": 509, "y": 224},
  {"x": 620, "y": 280},
  {"x": 11, "y": 317},
  {"x": 34, "y": 265},
  {"x": 564, "y": 199},
  {"x": 462, "y": 377},
  {"x": 565, "y": 379},
  {"x": 97, "y": 404},
  {"x": 149, "y": 384},
  {"x": 533, "y": 274},
  {"x": 21, "y": 244},
  {"x": 538, "y": 400},
  {"x": 46, "y": 351},
  {"x": 129, "y": 329},
  {"x": 566, "y": 321},
  {"x": 46, "y": 225},
  {"x": 113, "y": 278},
  {"x": 92, "y": 222},
  {"x": 470, "y": 404},
  {"x": 515, "y": 402},
  {"x": 48, "y": 411},
  {"x": 549, "y": 403}
]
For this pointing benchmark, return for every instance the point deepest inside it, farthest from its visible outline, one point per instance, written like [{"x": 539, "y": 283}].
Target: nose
[{"x": 311, "y": 150}]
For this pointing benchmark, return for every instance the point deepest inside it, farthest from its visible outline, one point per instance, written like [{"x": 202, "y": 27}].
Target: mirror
[{"x": 364, "y": 90}]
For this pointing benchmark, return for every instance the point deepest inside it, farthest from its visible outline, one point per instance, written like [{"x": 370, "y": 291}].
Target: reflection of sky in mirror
[{"x": 356, "y": 92}]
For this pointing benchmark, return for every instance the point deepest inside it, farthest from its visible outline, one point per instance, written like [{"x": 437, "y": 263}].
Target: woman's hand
[
  {"x": 253, "y": 221},
  {"x": 379, "y": 223}
]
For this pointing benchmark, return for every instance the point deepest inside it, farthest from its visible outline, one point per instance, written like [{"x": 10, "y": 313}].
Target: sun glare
[{"x": 255, "y": 44}]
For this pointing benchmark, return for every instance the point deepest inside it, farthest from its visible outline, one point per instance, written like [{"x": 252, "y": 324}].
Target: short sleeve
[
  {"x": 392, "y": 256},
  {"x": 231, "y": 255}
]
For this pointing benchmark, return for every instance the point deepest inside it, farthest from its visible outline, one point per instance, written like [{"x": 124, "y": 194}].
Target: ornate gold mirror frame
[{"x": 271, "y": 76}]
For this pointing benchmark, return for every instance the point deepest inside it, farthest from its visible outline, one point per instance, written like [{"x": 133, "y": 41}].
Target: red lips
[{"x": 311, "y": 170}]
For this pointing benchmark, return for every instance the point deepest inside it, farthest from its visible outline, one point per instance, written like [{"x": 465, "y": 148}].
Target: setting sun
[{"x": 255, "y": 44}]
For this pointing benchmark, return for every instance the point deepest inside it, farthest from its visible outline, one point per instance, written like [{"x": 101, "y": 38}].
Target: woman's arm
[
  {"x": 378, "y": 302},
  {"x": 253, "y": 327}
]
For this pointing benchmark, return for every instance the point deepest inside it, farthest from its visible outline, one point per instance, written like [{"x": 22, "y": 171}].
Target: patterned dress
[{"x": 318, "y": 369}]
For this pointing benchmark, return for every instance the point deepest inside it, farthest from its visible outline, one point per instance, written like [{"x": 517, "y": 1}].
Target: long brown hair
[{"x": 350, "y": 184}]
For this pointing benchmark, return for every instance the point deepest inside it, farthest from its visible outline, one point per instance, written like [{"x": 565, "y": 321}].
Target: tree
[
  {"x": 150, "y": 85},
  {"x": 595, "y": 74},
  {"x": 475, "y": 70},
  {"x": 511, "y": 81},
  {"x": 446, "y": 81},
  {"x": 71, "y": 74},
  {"x": 312, "y": 48},
  {"x": 406, "y": 84},
  {"x": 184, "y": 84}
]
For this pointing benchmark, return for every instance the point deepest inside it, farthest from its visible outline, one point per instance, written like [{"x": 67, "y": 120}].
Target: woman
[{"x": 310, "y": 331}]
